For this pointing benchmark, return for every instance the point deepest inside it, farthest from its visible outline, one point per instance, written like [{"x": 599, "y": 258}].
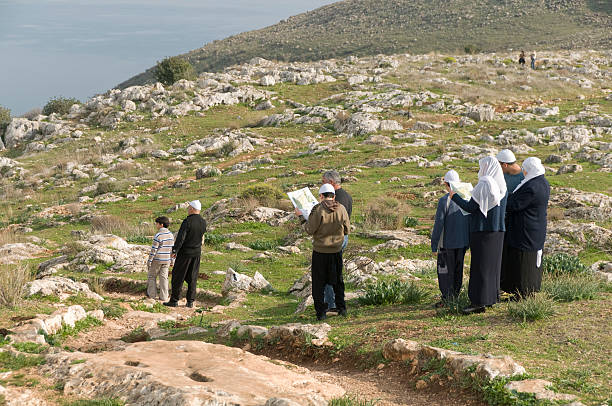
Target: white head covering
[
  {"x": 451, "y": 176},
  {"x": 506, "y": 156},
  {"x": 534, "y": 168},
  {"x": 490, "y": 167},
  {"x": 491, "y": 187},
  {"x": 327, "y": 188},
  {"x": 196, "y": 204},
  {"x": 486, "y": 194}
]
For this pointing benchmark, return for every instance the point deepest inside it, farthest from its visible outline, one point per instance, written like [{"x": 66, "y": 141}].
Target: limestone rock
[
  {"x": 186, "y": 373},
  {"x": 572, "y": 168},
  {"x": 539, "y": 388},
  {"x": 236, "y": 282},
  {"x": 62, "y": 287},
  {"x": 16, "y": 252},
  {"x": 207, "y": 172}
]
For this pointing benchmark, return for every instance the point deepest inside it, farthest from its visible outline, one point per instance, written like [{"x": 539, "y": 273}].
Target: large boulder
[
  {"x": 19, "y": 131},
  {"x": 187, "y": 373}
]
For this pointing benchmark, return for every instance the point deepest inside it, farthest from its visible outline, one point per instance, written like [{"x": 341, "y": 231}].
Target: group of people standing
[
  {"x": 503, "y": 224},
  {"x": 532, "y": 56}
]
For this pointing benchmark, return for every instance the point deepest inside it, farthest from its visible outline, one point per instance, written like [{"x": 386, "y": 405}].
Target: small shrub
[
  {"x": 411, "y": 222},
  {"x": 349, "y": 400},
  {"x": 226, "y": 149},
  {"x": 264, "y": 245},
  {"x": 59, "y": 105},
  {"x": 105, "y": 186},
  {"x": 506, "y": 61},
  {"x": 113, "y": 311},
  {"x": 561, "y": 263},
  {"x": 384, "y": 213},
  {"x": 30, "y": 348},
  {"x": 568, "y": 288},
  {"x": 32, "y": 114},
  {"x": 5, "y": 118},
  {"x": 454, "y": 305},
  {"x": 262, "y": 191},
  {"x": 12, "y": 284},
  {"x": 214, "y": 239},
  {"x": 449, "y": 59},
  {"x": 532, "y": 308},
  {"x": 393, "y": 292},
  {"x": 172, "y": 69},
  {"x": 156, "y": 308}
]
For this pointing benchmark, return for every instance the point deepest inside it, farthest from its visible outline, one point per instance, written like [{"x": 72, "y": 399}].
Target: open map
[{"x": 304, "y": 200}]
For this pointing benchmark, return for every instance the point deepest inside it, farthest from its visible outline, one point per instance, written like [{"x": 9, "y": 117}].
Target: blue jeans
[
  {"x": 533, "y": 64},
  {"x": 328, "y": 294}
]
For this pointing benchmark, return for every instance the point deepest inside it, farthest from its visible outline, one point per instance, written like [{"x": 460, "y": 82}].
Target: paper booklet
[
  {"x": 464, "y": 190},
  {"x": 303, "y": 200}
]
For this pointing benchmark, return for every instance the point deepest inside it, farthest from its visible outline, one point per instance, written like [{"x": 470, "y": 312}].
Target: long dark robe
[
  {"x": 486, "y": 247},
  {"x": 450, "y": 281},
  {"x": 521, "y": 273},
  {"x": 327, "y": 270}
]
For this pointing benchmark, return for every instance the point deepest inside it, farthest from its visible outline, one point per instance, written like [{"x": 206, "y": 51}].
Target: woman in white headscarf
[
  {"x": 450, "y": 238},
  {"x": 527, "y": 210},
  {"x": 487, "y": 207}
]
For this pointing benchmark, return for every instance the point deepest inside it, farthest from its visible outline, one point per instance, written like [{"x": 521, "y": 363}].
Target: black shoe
[
  {"x": 170, "y": 304},
  {"x": 321, "y": 317},
  {"x": 342, "y": 312},
  {"x": 189, "y": 304},
  {"x": 473, "y": 309}
]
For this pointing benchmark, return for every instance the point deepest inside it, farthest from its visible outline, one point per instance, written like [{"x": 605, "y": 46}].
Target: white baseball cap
[
  {"x": 327, "y": 188},
  {"x": 196, "y": 204},
  {"x": 506, "y": 156},
  {"x": 451, "y": 176}
]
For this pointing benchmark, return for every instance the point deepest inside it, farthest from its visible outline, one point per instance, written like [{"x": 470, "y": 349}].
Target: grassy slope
[
  {"x": 365, "y": 27},
  {"x": 572, "y": 348}
]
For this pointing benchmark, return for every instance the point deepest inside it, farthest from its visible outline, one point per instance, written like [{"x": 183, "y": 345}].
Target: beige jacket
[{"x": 328, "y": 223}]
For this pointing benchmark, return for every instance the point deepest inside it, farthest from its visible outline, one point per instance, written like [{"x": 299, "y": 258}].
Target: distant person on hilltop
[
  {"x": 533, "y": 60},
  {"x": 187, "y": 249},
  {"x": 328, "y": 223},
  {"x": 450, "y": 238},
  {"x": 345, "y": 199},
  {"x": 522, "y": 58}
]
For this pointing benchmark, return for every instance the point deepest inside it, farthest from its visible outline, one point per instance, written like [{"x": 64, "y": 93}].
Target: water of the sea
[{"x": 78, "y": 48}]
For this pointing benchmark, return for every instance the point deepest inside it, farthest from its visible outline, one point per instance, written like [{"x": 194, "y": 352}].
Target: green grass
[
  {"x": 394, "y": 292},
  {"x": 531, "y": 308},
  {"x": 67, "y": 331},
  {"x": 349, "y": 400},
  {"x": 31, "y": 348},
  {"x": 96, "y": 402},
  {"x": 10, "y": 362}
]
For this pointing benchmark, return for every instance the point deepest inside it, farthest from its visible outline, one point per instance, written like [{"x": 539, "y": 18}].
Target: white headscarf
[
  {"x": 534, "y": 168},
  {"x": 451, "y": 176},
  {"x": 491, "y": 187}
]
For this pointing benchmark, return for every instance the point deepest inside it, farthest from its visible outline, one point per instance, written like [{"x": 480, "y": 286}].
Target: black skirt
[
  {"x": 521, "y": 274},
  {"x": 485, "y": 269}
]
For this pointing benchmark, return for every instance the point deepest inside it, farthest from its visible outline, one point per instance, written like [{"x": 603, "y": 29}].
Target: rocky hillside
[
  {"x": 366, "y": 27},
  {"x": 79, "y": 192}
]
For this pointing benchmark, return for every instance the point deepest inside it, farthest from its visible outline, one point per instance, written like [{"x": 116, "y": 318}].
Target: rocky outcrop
[
  {"x": 14, "y": 253},
  {"x": 59, "y": 286},
  {"x": 237, "y": 282},
  {"x": 181, "y": 373}
]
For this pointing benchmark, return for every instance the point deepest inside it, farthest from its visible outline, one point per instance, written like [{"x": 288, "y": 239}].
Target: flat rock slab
[{"x": 187, "y": 373}]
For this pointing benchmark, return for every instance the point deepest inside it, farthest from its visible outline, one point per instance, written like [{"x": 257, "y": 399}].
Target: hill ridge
[{"x": 364, "y": 27}]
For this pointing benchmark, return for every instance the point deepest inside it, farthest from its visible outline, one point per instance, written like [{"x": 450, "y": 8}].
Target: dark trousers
[
  {"x": 185, "y": 269},
  {"x": 450, "y": 281},
  {"x": 327, "y": 269}
]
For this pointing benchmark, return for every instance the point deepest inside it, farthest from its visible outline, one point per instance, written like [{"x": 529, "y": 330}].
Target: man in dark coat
[
  {"x": 187, "y": 250},
  {"x": 527, "y": 230}
]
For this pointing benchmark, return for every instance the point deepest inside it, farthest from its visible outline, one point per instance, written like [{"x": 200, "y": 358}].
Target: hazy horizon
[{"x": 67, "y": 48}]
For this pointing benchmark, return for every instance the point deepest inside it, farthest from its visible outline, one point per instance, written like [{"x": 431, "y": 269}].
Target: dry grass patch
[
  {"x": 12, "y": 284},
  {"x": 119, "y": 226},
  {"x": 386, "y": 213}
]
